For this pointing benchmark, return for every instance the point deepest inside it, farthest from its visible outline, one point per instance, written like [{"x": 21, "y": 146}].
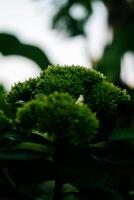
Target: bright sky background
[{"x": 30, "y": 22}]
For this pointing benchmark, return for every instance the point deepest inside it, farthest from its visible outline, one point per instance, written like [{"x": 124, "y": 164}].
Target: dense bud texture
[
  {"x": 75, "y": 80},
  {"x": 98, "y": 93},
  {"x": 22, "y": 91},
  {"x": 57, "y": 114},
  {"x": 107, "y": 98}
]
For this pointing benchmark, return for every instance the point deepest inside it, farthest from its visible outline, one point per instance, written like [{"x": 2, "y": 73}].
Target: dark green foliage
[
  {"x": 110, "y": 64},
  {"x": 2, "y": 90},
  {"x": 107, "y": 98},
  {"x": 64, "y": 20},
  {"x": 75, "y": 80},
  {"x": 2, "y": 97},
  {"x": 11, "y": 45},
  {"x": 120, "y": 20},
  {"x": 101, "y": 96},
  {"x": 22, "y": 91},
  {"x": 108, "y": 101},
  {"x": 53, "y": 147},
  {"x": 58, "y": 115},
  {"x": 97, "y": 92},
  {"x": 4, "y": 123},
  {"x": 34, "y": 164}
]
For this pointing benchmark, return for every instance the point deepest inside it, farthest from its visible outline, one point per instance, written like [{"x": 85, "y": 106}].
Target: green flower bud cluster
[
  {"x": 98, "y": 93},
  {"x": 58, "y": 114},
  {"x": 107, "y": 98},
  {"x": 22, "y": 91},
  {"x": 75, "y": 80},
  {"x": 102, "y": 97}
]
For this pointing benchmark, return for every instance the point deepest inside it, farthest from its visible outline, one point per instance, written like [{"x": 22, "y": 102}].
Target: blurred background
[{"x": 91, "y": 33}]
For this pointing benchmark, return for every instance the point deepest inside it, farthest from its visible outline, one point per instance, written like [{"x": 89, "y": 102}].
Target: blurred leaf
[
  {"x": 12, "y": 138},
  {"x": 46, "y": 150},
  {"x": 27, "y": 166},
  {"x": 63, "y": 19},
  {"x": 69, "y": 188},
  {"x": 69, "y": 192},
  {"x": 101, "y": 193},
  {"x": 114, "y": 152},
  {"x": 38, "y": 191},
  {"x": 80, "y": 169},
  {"x": 13, "y": 155},
  {"x": 2, "y": 90},
  {"x": 122, "y": 135},
  {"x": 2, "y": 97},
  {"x": 10, "y": 45},
  {"x": 71, "y": 197},
  {"x": 110, "y": 64}
]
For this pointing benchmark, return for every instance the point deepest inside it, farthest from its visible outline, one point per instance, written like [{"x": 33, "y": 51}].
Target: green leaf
[
  {"x": 35, "y": 148},
  {"x": 71, "y": 197},
  {"x": 69, "y": 192},
  {"x": 80, "y": 169},
  {"x": 10, "y": 45},
  {"x": 13, "y": 155},
  {"x": 122, "y": 135},
  {"x": 30, "y": 137},
  {"x": 114, "y": 152},
  {"x": 110, "y": 64},
  {"x": 92, "y": 193},
  {"x": 38, "y": 191},
  {"x": 33, "y": 141},
  {"x": 103, "y": 193},
  {"x": 26, "y": 166}
]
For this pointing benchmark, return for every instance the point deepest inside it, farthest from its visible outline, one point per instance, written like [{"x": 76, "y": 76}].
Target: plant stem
[
  {"x": 58, "y": 158},
  {"x": 57, "y": 189}
]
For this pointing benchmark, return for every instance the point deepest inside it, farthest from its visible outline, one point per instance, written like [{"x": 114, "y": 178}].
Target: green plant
[
  {"x": 22, "y": 91},
  {"x": 58, "y": 115},
  {"x": 102, "y": 97},
  {"x": 59, "y": 145},
  {"x": 4, "y": 122}
]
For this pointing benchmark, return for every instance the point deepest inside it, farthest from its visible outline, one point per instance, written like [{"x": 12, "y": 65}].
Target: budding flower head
[
  {"x": 75, "y": 80},
  {"x": 72, "y": 79},
  {"x": 83, "y": 84},
  {"x": 98, "y": 93},
  {"x": 22, "y": 91},
  {"x": 107, "y": 98},
  {"x": 58, "y": 114}
]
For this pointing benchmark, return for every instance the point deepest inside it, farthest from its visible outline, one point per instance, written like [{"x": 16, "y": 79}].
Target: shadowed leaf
[{"x": 10, "y": 45}]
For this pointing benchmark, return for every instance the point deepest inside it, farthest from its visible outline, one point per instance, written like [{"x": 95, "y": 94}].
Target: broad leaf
[
  {"x": 122, "y": 135},
  {"x": 114, "y": 152},
  {"x": 10, "y": 45},
  {"x": 80, "y": 169}
]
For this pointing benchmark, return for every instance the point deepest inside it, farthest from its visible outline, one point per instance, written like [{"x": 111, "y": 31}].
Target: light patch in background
[
  {"x": 127, "y": 69},
  {"x": 30, "y": 22},
  {"x": 98, "y": 32},
  {"x": 32, "y": 25},
  {"x": 12, "y": 70},
  {"x": 78, "y": 12}
]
